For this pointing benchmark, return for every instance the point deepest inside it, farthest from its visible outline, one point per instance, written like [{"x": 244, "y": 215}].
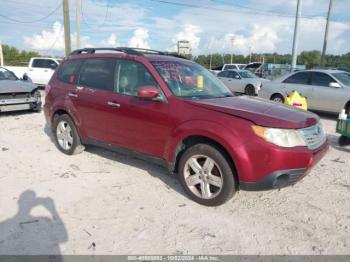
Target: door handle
[
  {"x": 72, "y": 94},
  {"x": 113, "y": 104}
]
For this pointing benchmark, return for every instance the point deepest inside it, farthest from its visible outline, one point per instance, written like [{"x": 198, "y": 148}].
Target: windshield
[
  {"x": 247, "y": 74},
  {"x": 241, "y": 67},
  {"x": 7, "y": 75},
  {"x": 190, "y": 80},
  {"x": 343, "y": 77}
]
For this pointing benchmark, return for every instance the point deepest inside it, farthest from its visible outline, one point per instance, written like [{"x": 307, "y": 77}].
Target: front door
[{"x": 136, "y": 124}]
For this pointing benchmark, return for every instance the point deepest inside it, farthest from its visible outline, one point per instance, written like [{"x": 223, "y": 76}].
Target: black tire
[
  {"x": 278, "y": 98},
  {"x": 228, "y": 187},
  {"x": 75, "y": 146},
  {"x": 249, "y": 90},
  {"x": 347, "y": 109},
  {"x": 36, "y": 107},
  {"x": 344, "y": 141}
]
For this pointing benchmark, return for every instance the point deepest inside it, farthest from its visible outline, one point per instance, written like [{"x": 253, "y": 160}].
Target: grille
[
  {"x": 314, "y": 136},
  {"x": 14, "y": 95}
]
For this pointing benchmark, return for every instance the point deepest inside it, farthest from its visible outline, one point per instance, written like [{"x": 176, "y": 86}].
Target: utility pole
[
  {"x": 78, "y": 6},
  {"x": 67, "y": 42},
  {"x": 326, "y": 33},
  {"x": 296, "y": 36},
  {"x": 1, "y": 55},
  {"x": 232, "y": 42}
]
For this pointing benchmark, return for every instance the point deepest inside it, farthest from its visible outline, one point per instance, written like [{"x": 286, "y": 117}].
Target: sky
[{"x": 211, "y": 26}]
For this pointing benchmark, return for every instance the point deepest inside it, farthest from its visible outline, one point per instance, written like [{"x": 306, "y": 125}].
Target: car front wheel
[
  {"x": 66, "y": 135},
  {"x": 278, "y": 98},
  {"x": 206, "y": 175}
]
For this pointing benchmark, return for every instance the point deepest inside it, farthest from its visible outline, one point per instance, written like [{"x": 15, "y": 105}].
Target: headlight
[{"x": 280, "y": 137}]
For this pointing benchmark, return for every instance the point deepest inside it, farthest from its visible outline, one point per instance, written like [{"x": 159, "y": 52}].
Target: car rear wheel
[
  {"x": 278, "y": 98},
  {"x": 249, "y": 90},
  {"x": 206, "y": 175},
  {"x": 66, "y": 135}
]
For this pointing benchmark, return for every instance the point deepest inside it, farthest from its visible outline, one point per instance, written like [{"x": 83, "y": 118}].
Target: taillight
[{"x": 47, "y": 89}]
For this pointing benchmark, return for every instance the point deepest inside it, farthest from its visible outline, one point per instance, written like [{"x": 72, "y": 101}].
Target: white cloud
[
  {"x": 53, "y": 40},
  {"x": 47, "y": 40},
  {"x": 189, "y": 33},
  {"x": 111, "y": 41},
  {"x": 139, "y": 38}
]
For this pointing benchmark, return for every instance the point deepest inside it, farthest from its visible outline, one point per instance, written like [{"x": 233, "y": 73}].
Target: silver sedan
[
  {"x": 325, "y": 90},
  {"x": 241, "y": 81}
]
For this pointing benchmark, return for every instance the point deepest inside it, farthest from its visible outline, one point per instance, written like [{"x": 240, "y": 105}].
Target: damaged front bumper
[{"x": 19, "y": 104}]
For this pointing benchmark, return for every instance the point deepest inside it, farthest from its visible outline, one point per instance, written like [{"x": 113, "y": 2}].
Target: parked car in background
[
  {"x": 39, "y": 70},
  {"x": 325, "y": 90},
  {"x": 241, "y": 81},
  {"x": 176, "y": 111},
  {"x": 228, "y": 67},
  {"x": 17, "y": 94}
]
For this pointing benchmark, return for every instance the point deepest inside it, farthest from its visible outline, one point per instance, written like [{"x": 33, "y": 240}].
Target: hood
[
  {"x": 16, "y": 86},
  {"x": 261, "y": 112}
]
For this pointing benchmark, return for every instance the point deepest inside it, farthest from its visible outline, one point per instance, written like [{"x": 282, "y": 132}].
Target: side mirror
[
  {"x": 53, "y": 66},
  {"x": 148, "y": 92},
  {"x": 334, "y": 85},
  {"x": 237, "y": 77},
  {"x": 25, "y": 77}
]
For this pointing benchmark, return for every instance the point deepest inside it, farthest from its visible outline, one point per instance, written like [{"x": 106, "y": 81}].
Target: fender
[{"x": 223, "y": 135}]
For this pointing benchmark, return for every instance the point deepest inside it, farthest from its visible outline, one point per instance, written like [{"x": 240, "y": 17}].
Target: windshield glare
[
  {"x": 343, "y": 77},
  {"x": 7, "y": 75},
  {"x": 247, "y": 74},
  {"x": 189, "y": 80}
]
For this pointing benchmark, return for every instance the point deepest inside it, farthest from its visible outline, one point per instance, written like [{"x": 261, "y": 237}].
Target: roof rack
[{"x": 126, "y": 50}]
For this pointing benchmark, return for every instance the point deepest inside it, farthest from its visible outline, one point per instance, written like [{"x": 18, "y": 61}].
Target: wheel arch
[
  {"x": 77, "y": 123},
  {"x": 191, "y": 140}
]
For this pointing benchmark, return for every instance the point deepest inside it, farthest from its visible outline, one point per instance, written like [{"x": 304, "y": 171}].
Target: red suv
[{"x": 174, "y": 110}]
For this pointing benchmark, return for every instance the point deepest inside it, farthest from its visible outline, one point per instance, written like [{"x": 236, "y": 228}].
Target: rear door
[
  {"x": 92, "y": 94},
  {"x": 237, "y": 83},
  {"x": 225, "y": 78},
  {"x": 136, "y": 124}
]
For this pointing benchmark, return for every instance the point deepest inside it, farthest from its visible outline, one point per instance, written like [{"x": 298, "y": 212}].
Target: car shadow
[
  {"x": 17, "y": 113},
  {"x": 28, "y": 234},
  {"x": 333, "y": 140},
  {"x": 154, "y": 168}
]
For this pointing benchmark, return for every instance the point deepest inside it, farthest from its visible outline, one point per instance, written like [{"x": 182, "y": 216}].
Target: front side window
[
  {"x": 130, "y": 76},
  {"x": 223, "y": 74},
  {"x": 97, "y": 73},
  {"x": 321, "y": 79},
  {"x": 301, "y": 78},
  {"x": 44, "y": 63},
  {"x": 7, "y": 75},
  {"x": 67, "y": 72},
  {"x": 343, "y": 77},
  {"x": 247, "y": 74},
  {"x": 190, "y": 80},
  {"x": 234, "y": 74}
]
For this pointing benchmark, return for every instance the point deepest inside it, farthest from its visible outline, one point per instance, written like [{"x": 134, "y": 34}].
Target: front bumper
[
  {"x": 289, "y": 168},
  {"x": 19, "y": 104}
]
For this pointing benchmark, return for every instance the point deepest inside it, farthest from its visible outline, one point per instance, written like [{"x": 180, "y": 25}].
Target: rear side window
[
  {"x": 301, "y": 78},
  {"x": 97, "y": 73},
  {"x": 68, "y": 71},
  {"x": 321, "y": 79}
]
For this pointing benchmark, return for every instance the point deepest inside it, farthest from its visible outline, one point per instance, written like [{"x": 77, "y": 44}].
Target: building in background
[{"x": 183, "y": 47}]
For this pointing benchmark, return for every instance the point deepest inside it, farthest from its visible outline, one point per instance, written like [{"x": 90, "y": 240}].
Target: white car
[
  {"x": 325, "y": 90},
  {"x": 241, "y": 81},
  {"x": 39, "y": 70}
]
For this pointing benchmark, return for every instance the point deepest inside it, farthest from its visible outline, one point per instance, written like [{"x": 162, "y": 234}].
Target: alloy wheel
[{"x": 64, "y": 135}]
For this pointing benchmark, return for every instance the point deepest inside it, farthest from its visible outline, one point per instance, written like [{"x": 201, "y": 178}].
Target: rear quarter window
[{"x": 68, "y": 71}]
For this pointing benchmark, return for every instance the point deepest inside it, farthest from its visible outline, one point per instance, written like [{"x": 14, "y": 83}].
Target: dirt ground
[{"x": 100, "y": 202}]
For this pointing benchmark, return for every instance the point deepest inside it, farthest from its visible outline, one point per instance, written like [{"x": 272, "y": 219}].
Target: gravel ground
[{"x": 100, "y": 202}]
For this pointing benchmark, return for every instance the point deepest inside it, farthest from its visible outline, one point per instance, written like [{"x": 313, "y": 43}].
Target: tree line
[
  {"x": 13, "y": 56},
  {"x": 308, "y": 58}
]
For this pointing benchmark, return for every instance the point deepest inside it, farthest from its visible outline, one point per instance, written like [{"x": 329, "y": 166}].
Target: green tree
[{"x": 15, "y": 57}]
